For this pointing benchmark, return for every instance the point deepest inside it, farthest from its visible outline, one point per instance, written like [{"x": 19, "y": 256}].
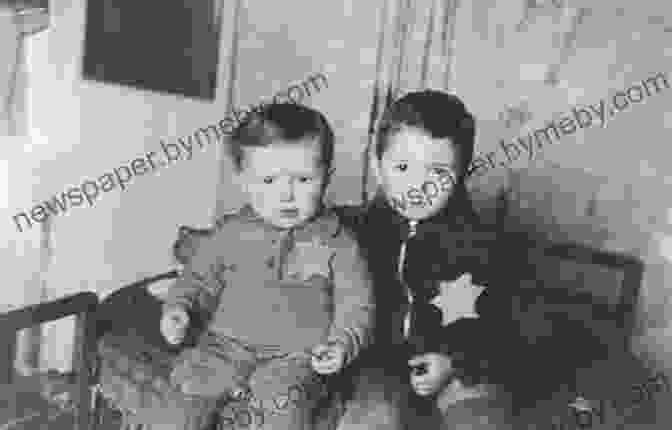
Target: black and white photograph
[{"x": 336, "y": 215}]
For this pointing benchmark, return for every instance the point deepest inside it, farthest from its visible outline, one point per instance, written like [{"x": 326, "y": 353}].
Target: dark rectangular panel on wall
[{"x": 160, "y": 45}]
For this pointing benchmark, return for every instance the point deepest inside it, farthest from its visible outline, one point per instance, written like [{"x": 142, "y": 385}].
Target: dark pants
[{"x": 382, "y": 397}]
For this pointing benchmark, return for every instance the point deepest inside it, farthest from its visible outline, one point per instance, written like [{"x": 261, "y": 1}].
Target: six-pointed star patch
[{"x": 457, "y": 299}]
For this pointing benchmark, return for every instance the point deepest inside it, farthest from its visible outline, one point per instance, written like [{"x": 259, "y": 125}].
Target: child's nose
[
  {"x": 287, "y": 193},
  {"x": 417, "y": 178}
]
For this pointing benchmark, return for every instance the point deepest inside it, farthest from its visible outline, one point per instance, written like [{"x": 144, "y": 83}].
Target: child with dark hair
[
  {"x": 448, "y": 288},
  {"x": 280, "y": 283},
  {"x": 439, "y": 274}
]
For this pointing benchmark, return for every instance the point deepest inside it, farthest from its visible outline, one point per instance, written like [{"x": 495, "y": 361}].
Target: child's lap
[
  {"x": 479, "y": 414},
  {"x": 229, "y": 363},
  {"x": 383, "y": 399},
  {"x": 223, "y": 361}
]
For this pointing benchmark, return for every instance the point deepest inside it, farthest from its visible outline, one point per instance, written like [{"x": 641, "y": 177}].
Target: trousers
[{"x": 281, "y": 387}]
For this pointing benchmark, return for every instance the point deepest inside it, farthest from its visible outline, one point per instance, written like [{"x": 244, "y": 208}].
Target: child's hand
[
  {"x": 438, "y": 368},
  {"x": 174, "y": 323},
  {"x": 328, "y": 359}
]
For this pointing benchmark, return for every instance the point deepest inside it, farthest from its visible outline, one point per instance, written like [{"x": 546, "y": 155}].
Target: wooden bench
[{"x": 18, "y": 391}]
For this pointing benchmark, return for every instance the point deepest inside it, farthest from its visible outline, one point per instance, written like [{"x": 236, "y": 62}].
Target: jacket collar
[{"x": 456, "y": 215}]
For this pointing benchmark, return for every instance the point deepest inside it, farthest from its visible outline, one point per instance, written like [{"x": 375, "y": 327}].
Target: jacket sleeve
[
  {"x": 198, "y": 287},
  {"x": 353, "y": 299}
]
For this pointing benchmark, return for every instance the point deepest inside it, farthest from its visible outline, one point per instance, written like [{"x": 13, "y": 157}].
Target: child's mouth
[{"x": 289, "y": 213}]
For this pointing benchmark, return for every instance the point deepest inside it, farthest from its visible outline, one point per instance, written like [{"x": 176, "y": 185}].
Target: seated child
[
  {"x": 281, "y": 282},
  {"x": 450, "y": 289},
  {"x": 428, "y": 249}
]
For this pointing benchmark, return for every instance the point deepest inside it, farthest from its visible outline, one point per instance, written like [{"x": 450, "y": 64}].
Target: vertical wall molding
[{"x": 231, "y": 90}]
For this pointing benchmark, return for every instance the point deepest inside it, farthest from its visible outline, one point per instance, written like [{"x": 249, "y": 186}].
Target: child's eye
[
  {"x": 440, "y": 171},
  {"x": 304, "y": 179},
  {"x": 402, "y": 167},
  {"x": 268, "y": 180}
]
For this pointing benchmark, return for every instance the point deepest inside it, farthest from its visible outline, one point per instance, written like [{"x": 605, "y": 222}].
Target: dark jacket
[
  {"x": 495, "y": 346},
  {"x": 447, "y": 245}
]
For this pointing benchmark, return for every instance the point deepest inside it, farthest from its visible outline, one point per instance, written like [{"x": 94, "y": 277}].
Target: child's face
[
  {"x": 417, "y": 173},
  {"x": 284, "y": 183}
]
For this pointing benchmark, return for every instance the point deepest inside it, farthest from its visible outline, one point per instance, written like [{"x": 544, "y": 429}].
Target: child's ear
[
  {"x": 374, "y": 166},
  {"x": 239, "y": 179},
  {"x": 328, "y": 175}
]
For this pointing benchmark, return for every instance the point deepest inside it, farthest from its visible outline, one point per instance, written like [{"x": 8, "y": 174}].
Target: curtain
[
  {"x": 222, "y": 205},
  {"x": 416, "y": 46}
]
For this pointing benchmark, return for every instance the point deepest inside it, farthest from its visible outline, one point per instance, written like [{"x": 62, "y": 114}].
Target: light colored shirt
[{"x": 289, "y": 288}]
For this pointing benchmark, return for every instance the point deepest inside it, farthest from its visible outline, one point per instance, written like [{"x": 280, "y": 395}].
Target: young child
[
  {"x": 444, "y": 273},
  {"x": 449, "y": 289},
  {"x": 281, "y": 282}
]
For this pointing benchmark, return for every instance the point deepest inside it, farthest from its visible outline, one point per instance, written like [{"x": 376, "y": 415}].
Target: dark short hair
[
  {"x": 437, "y": 113},
  {"x": 285, "y": 121}
]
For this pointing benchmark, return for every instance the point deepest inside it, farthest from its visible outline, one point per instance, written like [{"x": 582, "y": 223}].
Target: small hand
[
  {"x": 329, "y": 358},
  {"x": 174, "y": 323},
  {"x": 240, "y": 393},
  {"x": 438, "y": 368}
]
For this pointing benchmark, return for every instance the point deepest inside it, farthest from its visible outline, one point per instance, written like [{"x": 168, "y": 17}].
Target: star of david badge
[
  {"x": 310, "y": 258},
  {"x": 457, "y": 299}
]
